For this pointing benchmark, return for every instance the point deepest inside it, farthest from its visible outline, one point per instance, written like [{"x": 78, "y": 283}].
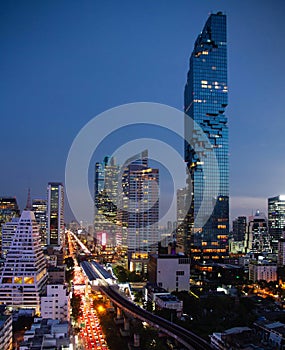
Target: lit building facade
[
  {"x": 8, "y": 209},
  {"x": 262, "y": 272},
  {"x": 276, "y": 219},
  {"x": 55, "y": 214},
  {"x": 281, "y": 250},
  {"x": 139, "y": 203},
  {"x": 182, "y": 198},
  {"x": 205, "y": 101},
  {"x": 39, "y": 207},
  {"x": 8, "y": 232},
  {"x": 24, "y": 275},
  {"x": 105, "y": 200},
  {"x": 239, "y": 228},
  {"x": 257, "y": 235}
]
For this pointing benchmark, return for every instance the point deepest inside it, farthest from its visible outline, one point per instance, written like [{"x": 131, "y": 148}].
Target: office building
[
  {"x": 55, "y": 214},
  {"x": 8, "y": 232},
  {"x": 39, "y": 207},
  {"x": 139, "y": 213},
  {"x": 105, "y": 200},
  {"x": 257, "y": 236},
  {"x": 8, "y": 209},
  {"x": 181, "y": 212},
  {"x": 205, "y": 101},
  {"x": 276, "y": 219},
  {"x": 239, "y": 228},
  {"x": 23, "y": 277},
  {"x": 281, "y": 250}
]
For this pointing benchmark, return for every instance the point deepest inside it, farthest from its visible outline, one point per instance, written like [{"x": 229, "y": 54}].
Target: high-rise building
[
  {"x": 39, "y": 207},
  {"x": 182, "y": 197},
  {"x": 105, "y": 200},
  {"x": 281, "y": 251},
  {"x": 239, "y": 228},
  {"x": 139, "y": 203},
  {"x": 55, "y": 214},
  {"x": 276, "y": 219},
  {"x": 8, "y": 209},
  {"x": 24, "y": 275},
  {"x": 8, "y": 232},
  {"x": 205, "y": 101},
  {"x": 257, "y": 236}
]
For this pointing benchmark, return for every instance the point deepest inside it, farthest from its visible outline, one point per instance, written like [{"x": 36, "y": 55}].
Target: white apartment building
[
  {"x": 24, "y": 275},
  {"x": 263, "y": 271},
  {"x": 56, "y": 304},
  {"x": 171, "y": 272}
]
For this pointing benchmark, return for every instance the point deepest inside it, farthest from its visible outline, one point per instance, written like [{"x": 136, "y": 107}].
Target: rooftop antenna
[{"x": 29, "y": 204}]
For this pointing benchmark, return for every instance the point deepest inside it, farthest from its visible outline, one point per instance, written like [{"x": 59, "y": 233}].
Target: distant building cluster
[{"x": 32, "y": 275}]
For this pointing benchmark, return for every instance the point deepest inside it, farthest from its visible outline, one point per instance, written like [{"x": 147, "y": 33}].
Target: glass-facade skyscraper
[
  {"x": 276, "y": 219},
  {"x": 105, "y": 200},
  {"x": 205, "y": 101},
  {"x": 55, "y": 214}
]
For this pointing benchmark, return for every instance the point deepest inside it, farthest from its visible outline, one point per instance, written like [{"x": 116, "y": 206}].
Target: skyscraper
[
  {"x": 139, "y": 207},
  {"x": 105, "y": 200},
  {"x": 8, "y": 232},
  {"x": 39, "y": 207},
  {"x": 182, "y": 197},
  {"x": 8, "y": 209},
  {"x": 55, "y": 214},
  {"x": 257, "y": 238},
  {"x": 276, "y": 219},
  {"x": 205, "y": 100},
  {"x": 239, "y": 228},
  {"x": 23, "y": 277}
]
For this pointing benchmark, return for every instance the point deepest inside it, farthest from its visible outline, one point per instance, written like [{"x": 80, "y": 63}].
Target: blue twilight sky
[{"x": 63, "y": 62}]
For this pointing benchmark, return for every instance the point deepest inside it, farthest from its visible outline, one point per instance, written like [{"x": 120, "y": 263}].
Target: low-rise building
[
  {"x": 47, "y": 334},
  {"x": 271, "y": 333},
  {"x": 56, "y": 304},
  {"x": 262, "y": 271},
  {"x": 161, "y": 299},
  {"x": 242, "y": 338},
  {"x": 169, "y": 271},
  {"x": 170, "y": 302}
]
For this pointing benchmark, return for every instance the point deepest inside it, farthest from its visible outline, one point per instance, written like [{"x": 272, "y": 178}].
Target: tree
[
  {"x": 76, "y": 306},
  {"x": 69, "y": 262}
]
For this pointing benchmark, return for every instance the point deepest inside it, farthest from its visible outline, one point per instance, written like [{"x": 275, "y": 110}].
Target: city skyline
[{"x": 55, "y": 78}]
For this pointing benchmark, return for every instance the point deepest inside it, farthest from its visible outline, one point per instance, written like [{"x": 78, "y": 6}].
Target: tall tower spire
[{"x": 29, "y": 203}]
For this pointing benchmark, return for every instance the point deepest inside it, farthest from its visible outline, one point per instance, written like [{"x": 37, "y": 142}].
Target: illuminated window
[
  {"x": 29, "y": 280},
  {"x": 18, "y": 280}
]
